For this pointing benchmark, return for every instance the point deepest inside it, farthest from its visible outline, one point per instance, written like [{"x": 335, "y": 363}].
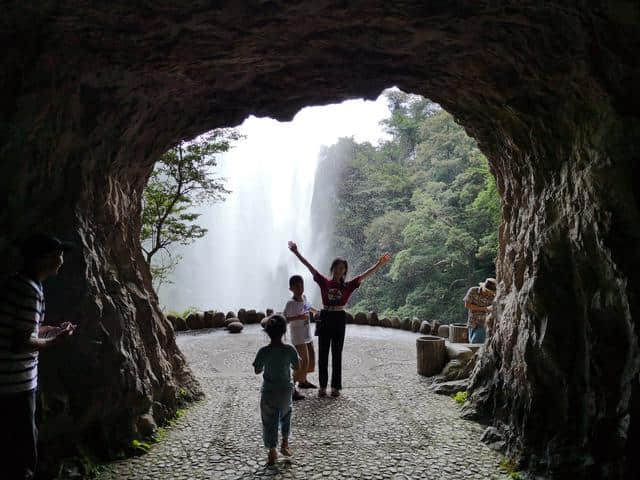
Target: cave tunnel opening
[
  {"x": 349, "y": 180},
  {"x": 90, "y": 99}
]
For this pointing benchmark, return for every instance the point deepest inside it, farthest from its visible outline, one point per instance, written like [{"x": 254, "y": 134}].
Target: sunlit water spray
[{"x": 243, "y": 261}]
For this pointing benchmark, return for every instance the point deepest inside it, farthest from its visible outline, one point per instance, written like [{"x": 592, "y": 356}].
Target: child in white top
[{"x": 296, "y": 311}]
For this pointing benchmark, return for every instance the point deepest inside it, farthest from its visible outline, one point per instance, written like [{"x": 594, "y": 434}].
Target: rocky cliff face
[{"x": 92, "y": 94}]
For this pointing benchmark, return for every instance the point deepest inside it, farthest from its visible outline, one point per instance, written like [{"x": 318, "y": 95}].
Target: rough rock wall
[
  {"x": 123, "y": 363},
  {"x": 560, "y": 375},
  {"x": 93, "y": 92}
]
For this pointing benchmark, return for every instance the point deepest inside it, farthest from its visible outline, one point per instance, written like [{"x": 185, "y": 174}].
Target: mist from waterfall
[{"x": 243, "y": 261}]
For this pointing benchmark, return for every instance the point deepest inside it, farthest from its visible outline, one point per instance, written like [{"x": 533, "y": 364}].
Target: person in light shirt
[{"x": 296, "y": 311}]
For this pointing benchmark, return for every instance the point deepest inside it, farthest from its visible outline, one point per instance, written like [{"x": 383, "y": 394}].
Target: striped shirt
[{"x": 21, "y": 312}]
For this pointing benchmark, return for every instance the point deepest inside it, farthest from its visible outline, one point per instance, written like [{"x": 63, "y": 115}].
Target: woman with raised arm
[{"x": 332, "y": 322}]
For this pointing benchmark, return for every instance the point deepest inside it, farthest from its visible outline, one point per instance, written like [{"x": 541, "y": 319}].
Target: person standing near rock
[
  {"x": 22, "y": 310},
  {"x": 296, "y": 311},
  {"x": 478, "y": 302},
  {"x": 332, "y": 322}
]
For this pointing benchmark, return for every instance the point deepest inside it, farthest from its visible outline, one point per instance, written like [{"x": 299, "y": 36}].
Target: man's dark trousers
[{"x": 18, "y": 435}]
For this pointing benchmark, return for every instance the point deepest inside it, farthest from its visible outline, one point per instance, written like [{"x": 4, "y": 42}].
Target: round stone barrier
[
  {"x": 415, "y": 325},
  {"x": 235, "y": 327},
  {"x": 406, "y": 323},
  {"x": 443, "y": 331},
  {"x": 195, "y": 321},
  {"x": 360, "y": 318}
]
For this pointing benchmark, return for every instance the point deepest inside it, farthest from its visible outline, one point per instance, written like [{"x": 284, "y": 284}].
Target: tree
[
  {"x": 181, "y": 179},
  {"x": 427, "y": 195}
]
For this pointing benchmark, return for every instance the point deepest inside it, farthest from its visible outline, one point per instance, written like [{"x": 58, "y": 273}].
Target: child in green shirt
[{"x": 276, "y": 361}]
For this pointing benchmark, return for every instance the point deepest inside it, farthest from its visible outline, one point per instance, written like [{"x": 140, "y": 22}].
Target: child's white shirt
[{"x": 300, "y": 330}]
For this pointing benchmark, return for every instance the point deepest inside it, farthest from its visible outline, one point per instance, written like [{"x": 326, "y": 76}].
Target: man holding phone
[{"x": 22, "y": 336}]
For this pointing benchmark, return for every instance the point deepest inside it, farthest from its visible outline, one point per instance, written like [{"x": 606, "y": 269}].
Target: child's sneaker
[{"x": 273, "y": 455}]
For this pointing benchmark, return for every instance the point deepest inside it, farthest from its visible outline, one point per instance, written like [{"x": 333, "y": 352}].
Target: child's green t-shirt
[{"x": 277, "y": 362}]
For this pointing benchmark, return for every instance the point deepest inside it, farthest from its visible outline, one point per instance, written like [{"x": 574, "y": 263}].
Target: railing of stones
[
  {"x": 215, "y": 319},
  {"x": 454, "y": 359}
]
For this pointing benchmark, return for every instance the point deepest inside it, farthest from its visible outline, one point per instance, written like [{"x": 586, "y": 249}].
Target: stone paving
[{"x": 387, "y": 424}]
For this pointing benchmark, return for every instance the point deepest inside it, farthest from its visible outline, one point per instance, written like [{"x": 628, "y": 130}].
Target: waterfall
[{"x": 243, "y": 261}]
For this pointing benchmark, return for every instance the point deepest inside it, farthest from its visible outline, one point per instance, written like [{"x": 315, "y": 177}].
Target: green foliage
[
  {"x": 182, "y": 179},
  {"x": 427, "y": 196},
  {"x": 159, "y": 435},
  {"x": 139, "y": 446},
  {"x": 460, "y": 397},
  {"x": 509, "y": 466}
]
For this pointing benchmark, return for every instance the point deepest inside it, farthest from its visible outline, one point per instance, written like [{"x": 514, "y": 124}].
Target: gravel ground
[{"x": 386, "y": 425}]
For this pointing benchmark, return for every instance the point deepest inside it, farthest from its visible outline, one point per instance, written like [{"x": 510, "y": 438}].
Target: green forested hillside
[{"x": 426, "y": 195}]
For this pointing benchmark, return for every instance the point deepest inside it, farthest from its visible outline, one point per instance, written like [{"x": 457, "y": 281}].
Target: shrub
[{"x": 460, "y": 397}]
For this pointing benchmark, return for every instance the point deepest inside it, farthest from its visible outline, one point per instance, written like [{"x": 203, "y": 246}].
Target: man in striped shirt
[{"x": 22, "y": 336}]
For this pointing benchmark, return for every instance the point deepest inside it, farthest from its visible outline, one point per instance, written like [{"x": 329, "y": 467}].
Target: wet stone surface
[{"x": 387, "y": 425}]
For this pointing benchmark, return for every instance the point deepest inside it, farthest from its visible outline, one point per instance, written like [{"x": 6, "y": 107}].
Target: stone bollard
[
  {"x": 425, "y": 328},
  {"x": 415, "y": 325},
  {"x": 431, "y": 355},
  {"x": 218, "y": 320},
  {"x": 385, "y": 322},
  {"x": 242, "y": 315},
  {"x": 372, "y": 319},
  {"x": 231, "y": 315},
  {"x": 195, "y": 321},
  {"x": 360, "y": 318},
  {"x": 181, "y": 324},
  {"x": 269, "y": 312},
  {"x": 208, "y": 319},
  {"x": 443, "y": 331},
  {"x": 406, "y": 323},
  {"x": 435, "y": 325},
  {"x": 251, "y": 316},
  {"x": 235, "y": 326},
  {"x": 395, "y": 322}
]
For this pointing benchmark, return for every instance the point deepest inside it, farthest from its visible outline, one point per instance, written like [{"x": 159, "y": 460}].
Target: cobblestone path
[{"x": 387, "y": 424}]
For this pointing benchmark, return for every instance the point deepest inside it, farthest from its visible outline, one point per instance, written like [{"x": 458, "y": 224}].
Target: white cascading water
[{"x": 243, "y": 261}]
